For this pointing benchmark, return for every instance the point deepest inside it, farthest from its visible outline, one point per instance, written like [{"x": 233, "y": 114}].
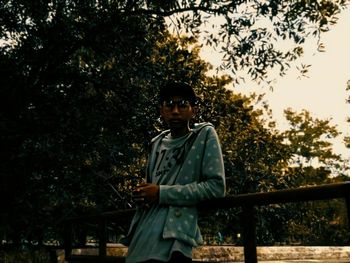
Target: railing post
[
  {"x": 67, "y": 239},
  {"x": 102, "y": 234},
  {"x": 249, "y": 234},
  {"x": 347, "y": 202}
]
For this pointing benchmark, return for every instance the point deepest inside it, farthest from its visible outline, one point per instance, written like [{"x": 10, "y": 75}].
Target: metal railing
[{"x": 246, "y": 201}]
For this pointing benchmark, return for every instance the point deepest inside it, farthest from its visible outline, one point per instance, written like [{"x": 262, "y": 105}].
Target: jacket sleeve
[{"x": 212, "y": 178}]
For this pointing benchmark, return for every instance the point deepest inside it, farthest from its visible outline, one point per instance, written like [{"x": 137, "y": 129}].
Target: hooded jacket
[{"x": 200, "y": 177}]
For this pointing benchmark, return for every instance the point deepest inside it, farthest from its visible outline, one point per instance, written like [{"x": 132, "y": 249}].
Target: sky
[{"x": 323, "y": 93}]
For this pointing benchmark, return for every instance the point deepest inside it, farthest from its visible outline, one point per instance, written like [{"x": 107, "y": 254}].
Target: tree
[
  {"x": 312, "y": 162},
  {"x": 259, "y": 158},
  {"x": 253, "y": 150},
  {"x": 247, "y": 31},
  {"x": 309, "y": 142},
  {"x": 247, "y": 35},
  {"x": 72, "y": 94},
  {"x": 347, "y": 138}
]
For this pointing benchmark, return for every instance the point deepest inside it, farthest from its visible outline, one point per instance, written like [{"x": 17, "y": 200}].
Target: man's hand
[{"x": 146, "y": 194}]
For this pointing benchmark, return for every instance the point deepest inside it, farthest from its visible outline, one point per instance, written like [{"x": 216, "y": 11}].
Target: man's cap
[{"x": 181, "y": 89}]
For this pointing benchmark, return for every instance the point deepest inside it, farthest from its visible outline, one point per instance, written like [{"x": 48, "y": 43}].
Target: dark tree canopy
[{"x": 247, "y": 34}]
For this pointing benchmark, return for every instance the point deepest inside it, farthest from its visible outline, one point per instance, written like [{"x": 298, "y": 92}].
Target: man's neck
[{"x": 175, "y": 133}]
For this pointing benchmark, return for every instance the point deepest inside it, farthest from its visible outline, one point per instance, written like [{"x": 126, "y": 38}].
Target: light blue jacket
[{"x": 200, "y": 177}]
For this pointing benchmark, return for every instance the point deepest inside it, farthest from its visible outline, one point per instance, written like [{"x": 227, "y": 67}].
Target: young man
[{"x": 185, "y": 166}]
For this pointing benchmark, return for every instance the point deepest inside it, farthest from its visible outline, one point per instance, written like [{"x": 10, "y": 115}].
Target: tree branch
[{"x": 174, "y": 11}]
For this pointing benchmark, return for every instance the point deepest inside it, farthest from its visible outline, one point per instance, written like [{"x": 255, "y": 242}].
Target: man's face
[{"x": 177, "y": 112}]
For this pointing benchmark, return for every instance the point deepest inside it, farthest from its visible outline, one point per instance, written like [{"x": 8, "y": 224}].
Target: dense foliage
[
  {"x": 347, "y": 138},
  {"x": 79, "y": 105}
]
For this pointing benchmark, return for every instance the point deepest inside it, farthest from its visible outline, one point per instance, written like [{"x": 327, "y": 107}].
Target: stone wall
[
  {"x": 235, "y": 253},
  {"x": 228, "y": 254}
]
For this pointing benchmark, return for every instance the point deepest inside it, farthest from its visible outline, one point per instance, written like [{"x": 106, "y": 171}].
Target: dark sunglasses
[{"x": 182, "y": 105}]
